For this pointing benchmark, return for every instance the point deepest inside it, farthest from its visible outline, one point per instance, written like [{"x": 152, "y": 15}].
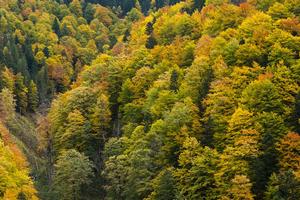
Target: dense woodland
[{"x": 149, "y": 99}]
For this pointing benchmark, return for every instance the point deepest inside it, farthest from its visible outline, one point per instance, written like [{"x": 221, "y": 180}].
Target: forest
[{"x": 149, "y": 99}]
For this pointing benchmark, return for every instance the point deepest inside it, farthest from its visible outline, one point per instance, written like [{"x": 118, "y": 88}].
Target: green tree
[
  {"x": 219, "y": 105},
  {"x": 73, "y": 171},
  {"x": 174, "y": 81},
  {"x": 76, "y": 8},
  {"x": 21, "y": 94},
  {"x": 33, "y": 98},
  {"x": 164, "y": 186},
  {"x": 151, "y": 42},
  {"x": 195, "y": 177},
  {"x": 149, "y": 28},
  {"x": 197, "y": 80},
  {"x": 56, "y": 27},
  {"x": 134, "y": 15},
  {"x": 271, "y": 128},
  {"x": 89, "y": 12},
  {"x": 262, "y": 96},
  {"x": 100, "y": 119},
  {"x": 283, "y": 186},
  {"x": 76, "y": 133}
]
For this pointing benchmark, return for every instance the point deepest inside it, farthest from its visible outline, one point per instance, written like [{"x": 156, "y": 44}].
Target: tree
[
  {"x": 174, "y": 81},
  {"x": 195, "y": 177},
  {"x": 145, "y": 4},
  {"x": 287, "y": 88},
  {"x": 241, "y": 188},
  {"x": 76, "y": 132},
  {"x": 15, "y": 180},
  {"x": 116, "y": 173},
  {"x": 7, "y": 104},
  {"x": 33, "y": 98},
  {"x": 164, "y": 186},
  {"x": 101, "y": 118},
  {"x": 56, "y": 27},
  {"x": 89, "y": 12},
  {"x": 219, "y": 105},
  {"x": 21, "y": 94},
  {"x": 134, "y": 15},
  {"x": 7, "y": 79},
  {"x": 283, "y": 186},
  {"x": 149, "y": 28},
  {"x": 241, "y": 121},
  {"x": 197, "y": 80},
  {"x": 73, "y": 170},
  {"x": 75, "y": 8},
  {"x": 289, "y": 154},
  {"x": 271, "y": 128},
  {"x": 237, "y": 159},
  {"x": 262, "y": 96},
  {"x": 126, "y": 36},
  {"x": 151, "y": 42}
]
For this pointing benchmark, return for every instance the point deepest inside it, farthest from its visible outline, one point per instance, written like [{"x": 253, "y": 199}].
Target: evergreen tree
[
  {"x": 151, "y": 42},
  {"x": 56, "y": 27},
  {"x": 21, "y": 94},
  {"x": 33, "y": 98},
  {"x": 174, "y": 81},
  {"x": 149, "y": 28},
  {"x": 283, "y": 186},
  {"x": 145, "y": 4},
  {"x": 46, "y": 52},
  {"x": 89, "y": 12},
  {"x": 126, "y": 36}
]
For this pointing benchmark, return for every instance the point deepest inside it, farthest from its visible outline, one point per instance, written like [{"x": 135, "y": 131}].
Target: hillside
[
  {"x": 15, "y": 182},
  {"x": 154, "y": 100}
]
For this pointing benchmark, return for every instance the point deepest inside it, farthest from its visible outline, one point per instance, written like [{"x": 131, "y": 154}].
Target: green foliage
[
  {"x": 262, "y": 96},
  {"x": 197, "y": 79},
  {"x": 164, "y": 186},
  {"x": 283, "y": 186},
  {"x": 196, "y": 100},
  {"x": 196, "y": 173},
  {"x": 33, "y": 99},
  {"x": 21, "y": 94},
  {"x": 73, "y": 171}
]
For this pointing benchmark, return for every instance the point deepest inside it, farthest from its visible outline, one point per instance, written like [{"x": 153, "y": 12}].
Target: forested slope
[
  {"x": 15, "y": 182},
  {"x": 148, "y": 101}
]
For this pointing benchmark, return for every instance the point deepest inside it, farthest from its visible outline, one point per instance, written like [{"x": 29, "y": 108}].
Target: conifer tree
[
  {"x": 283, "y": 186},
  {"x": 151, "y": 42},
  {"x": 33, "y": 98},
  {"x": 56, "y": 27},
  {"x": 21, "y": 94}
]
